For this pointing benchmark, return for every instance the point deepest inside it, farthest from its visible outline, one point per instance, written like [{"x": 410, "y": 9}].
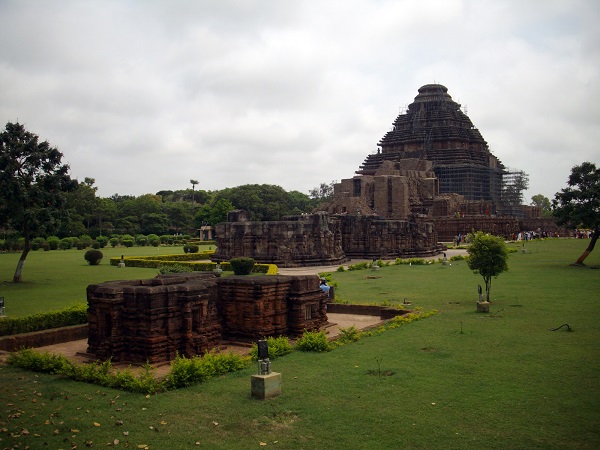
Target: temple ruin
[
  {"x": 432, "y": 178},
  {"x": 322, "y": 239},
  {"x": 189, "y": 314}
]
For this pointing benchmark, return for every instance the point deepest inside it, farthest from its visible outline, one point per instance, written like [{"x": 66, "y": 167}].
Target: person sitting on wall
[{"x": 324, "y": 286}]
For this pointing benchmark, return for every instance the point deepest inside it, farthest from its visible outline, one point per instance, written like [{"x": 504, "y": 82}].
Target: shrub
[
  {"x": 75, "y": 315},
  {"x": 102, "y": 240},
  {"x": 114, "y": 241},
  {"x": 278, "y": 346},
  {"x": 127, "y": 242},
  {"x": 185, "y": 372},
  {"x": 155, "y": 242},
  {"x": 359, "y": 266},
  {"x": 340, "y": 269},
  {"x": 152, "y": 237},
  {"x": 93, "y": 257},
  {"x": 86, "y": 240},
  {"x": 66, "y": 243},
  {"x": 96, "y": 245},
  {"x": 37, "y": 243},
  {"x": 101, "y": 373},
  {"x": 141, "y": 240},
  {"x": 242, "y": 266},
  {"x": 53, "y": 242},
  {"x": 174, "y": 268},
  {"x": 349, "y": 335},
  {"x": 313, "y": 341}
]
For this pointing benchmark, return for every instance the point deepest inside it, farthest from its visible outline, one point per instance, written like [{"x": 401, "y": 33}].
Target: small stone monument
[
  {"x": 122, "y": 262},
  {"x": 482, "y": 304},
  {"x": 265, "y": 384},
  {"x": 1, "y": 306}
]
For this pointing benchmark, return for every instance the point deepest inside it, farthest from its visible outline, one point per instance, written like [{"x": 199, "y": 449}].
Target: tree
[
  {"x": 543, "y": 203},
  {"x": 578, "y": 205},
  {"x": 194, "y": 183},
  {"x": 487, "y": 257},
  {"x": 33, "y": 182},
  {"x": 322, "y": 193},
  {"x": 212, "y": 215}
]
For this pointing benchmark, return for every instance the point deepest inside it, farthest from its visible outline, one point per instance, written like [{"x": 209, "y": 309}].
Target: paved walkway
[{"x": 315, "y": 270}]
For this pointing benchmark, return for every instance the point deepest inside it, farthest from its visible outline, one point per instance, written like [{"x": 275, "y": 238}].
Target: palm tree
[{"x": 194, "y": 183}]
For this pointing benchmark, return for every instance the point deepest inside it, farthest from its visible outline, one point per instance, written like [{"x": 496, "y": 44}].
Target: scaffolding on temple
[{"x": 514, "y": 183}]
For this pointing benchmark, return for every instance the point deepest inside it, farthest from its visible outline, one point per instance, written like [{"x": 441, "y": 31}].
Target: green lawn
[{"x": 458, "y": 379}]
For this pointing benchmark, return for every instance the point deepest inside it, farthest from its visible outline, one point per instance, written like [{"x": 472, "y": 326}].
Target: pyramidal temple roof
[{"x": 432, "y": 117}]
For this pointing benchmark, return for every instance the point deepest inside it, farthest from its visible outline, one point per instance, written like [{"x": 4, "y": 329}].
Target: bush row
[
  {"x": 192, "y": 260},
  {"x": 84, "y": 241},
  {"x": 75, "y": 315},
  {"x": 184, "y": 371}
]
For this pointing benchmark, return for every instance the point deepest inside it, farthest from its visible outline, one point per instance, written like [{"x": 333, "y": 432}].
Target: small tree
[
  {"x": 242, "y": 266},
  {"x": 488, "y": 257},
  {"x": 578, "y": 205},
  {"x": 93, "y": 257}
]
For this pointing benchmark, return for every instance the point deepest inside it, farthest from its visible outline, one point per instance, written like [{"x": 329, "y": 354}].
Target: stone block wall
[
  {"x": 306, "y": 240},
  {"x": 153, "y": 320},
  {"x": 365, "y": 237}
]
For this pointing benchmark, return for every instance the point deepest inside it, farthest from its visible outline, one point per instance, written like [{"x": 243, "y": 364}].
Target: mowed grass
[
  {"x": 58, "y": 279},
  {"x": 459, "y": 379}
]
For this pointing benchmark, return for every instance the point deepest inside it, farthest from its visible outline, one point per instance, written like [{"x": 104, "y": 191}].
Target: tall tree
[
  {"x": 33, "y": 182},
  {"x": 578, "y": 205}
]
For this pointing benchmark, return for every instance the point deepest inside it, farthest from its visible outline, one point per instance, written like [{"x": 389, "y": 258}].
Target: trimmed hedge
[
  {"x": 193, "y": 260},
  {"x": 138, "y": 261},
  {"x": 75, "y": 315}
]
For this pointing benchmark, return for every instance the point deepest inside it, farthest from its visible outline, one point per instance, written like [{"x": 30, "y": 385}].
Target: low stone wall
[
  {"x": 384, "y": 312},
  {"x": 44, "y": 337}
]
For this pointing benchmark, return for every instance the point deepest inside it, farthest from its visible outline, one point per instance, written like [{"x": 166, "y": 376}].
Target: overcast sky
[{"x": 145, "y": 95}]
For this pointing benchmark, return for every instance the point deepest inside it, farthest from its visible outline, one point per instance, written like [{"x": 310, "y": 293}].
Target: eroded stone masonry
[
  {"x": 322, "y": 239},
  {"x": 432, "y": 178},
  {"x": 189, "y": 314}
]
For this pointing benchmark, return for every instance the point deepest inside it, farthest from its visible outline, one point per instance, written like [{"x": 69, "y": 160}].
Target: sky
[{"x": 147, "y": 95}]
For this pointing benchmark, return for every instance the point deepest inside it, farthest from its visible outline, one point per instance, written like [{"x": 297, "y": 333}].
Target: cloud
[{"x": 145, "y": 95}]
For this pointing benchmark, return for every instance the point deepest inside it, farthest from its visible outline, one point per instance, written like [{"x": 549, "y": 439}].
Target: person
[{"x": 324, "y": 286}]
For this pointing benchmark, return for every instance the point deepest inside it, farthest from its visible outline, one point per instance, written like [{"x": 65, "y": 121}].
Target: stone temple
[
  {"x": 432, "y": 163},
  {"x": 432, "y": 178}
]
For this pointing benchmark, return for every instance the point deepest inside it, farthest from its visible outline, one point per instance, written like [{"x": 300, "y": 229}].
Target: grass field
[{"x": 458, "y": 379}]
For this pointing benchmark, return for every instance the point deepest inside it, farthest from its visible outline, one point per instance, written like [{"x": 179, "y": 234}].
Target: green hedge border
[
  {"x": 75, "y": 315},
  {"x": 198, "y": 262}
]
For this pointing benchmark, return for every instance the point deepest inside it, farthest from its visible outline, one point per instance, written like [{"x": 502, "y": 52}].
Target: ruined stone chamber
[
  {"x": 324, "y": 239},
  {"x": 306, "y": 240},
  {"x": 190, "y": 314},
  {"x": 370, "y": 237}
]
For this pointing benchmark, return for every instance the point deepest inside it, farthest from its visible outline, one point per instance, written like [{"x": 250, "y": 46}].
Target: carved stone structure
[
  {"x": 322, "y": 239},
  {"x": 433, "y": 171},
  {"x": 153, "y": 320},
  {"x": 434, "y": 167},
  {"x": 313, "y": 239},
  {"x": 435, "y": 128}
]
